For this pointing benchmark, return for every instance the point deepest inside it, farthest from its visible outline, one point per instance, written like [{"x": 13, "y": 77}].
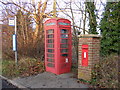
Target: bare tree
[
  {"x": 0, "y": 42},
  {"x": 70, "y": 12},
  {"x": 27, "y": 36},
  {"x": 79, "y": 14},
  {"x": 75, "y": 11}
]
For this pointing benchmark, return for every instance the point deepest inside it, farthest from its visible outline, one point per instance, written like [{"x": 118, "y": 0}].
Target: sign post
[
  {"x": 12, "y": 22},
  {"x": 16, "y": 58}
]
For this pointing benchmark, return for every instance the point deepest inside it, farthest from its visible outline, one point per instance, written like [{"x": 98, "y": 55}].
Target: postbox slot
[{"x": 85, "y": 47}]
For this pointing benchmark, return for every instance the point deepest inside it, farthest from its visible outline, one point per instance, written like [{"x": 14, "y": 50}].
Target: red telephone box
[{"x": 58, "y": 45}]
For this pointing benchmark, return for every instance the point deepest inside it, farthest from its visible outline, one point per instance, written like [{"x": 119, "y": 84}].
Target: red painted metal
[
  {"x": 84, "y": 55},
  {"x": 58, "y": 45}
]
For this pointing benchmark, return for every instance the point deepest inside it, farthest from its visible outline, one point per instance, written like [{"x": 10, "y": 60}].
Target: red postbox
[
  {"x": 84, "y": 55},
  {"x": 58, "y": 45}
]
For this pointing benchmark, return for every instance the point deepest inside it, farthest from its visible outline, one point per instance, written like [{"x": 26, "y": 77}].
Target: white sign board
[
  {"x": 85, "y": 55},
  {"x": 66, "y": 60},
  {"x": 11, "y": 22},
  {"x": 14, "y": 43}
]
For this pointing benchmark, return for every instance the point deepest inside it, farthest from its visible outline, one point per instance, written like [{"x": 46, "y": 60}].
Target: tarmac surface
[
  {"x": 6, "y": 84},
  {"x": 49, "y": 80}
]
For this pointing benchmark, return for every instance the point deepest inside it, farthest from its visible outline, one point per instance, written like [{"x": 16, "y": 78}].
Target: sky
[{"x": 78, "y": 14}]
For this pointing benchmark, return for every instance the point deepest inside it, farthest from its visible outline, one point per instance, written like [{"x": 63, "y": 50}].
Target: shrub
[
  {"x": 106, "y": 72},
  {"x": 26, "y": 67},
  {"x": 9, "y": 69},
  {"x": 30, "y": 66}
]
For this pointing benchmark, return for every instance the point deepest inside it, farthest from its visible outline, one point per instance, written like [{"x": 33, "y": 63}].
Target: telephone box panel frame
[{"x": 62, "y": 56}]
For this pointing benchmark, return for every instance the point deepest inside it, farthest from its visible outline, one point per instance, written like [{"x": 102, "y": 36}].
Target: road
[{"x": 6, "y": 84}]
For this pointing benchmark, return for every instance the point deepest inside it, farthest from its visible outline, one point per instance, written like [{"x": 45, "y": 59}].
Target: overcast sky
[{"x": 78, "y": 15}]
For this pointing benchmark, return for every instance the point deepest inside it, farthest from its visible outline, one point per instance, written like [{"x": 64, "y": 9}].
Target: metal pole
[
  {"x": 15, "y": 26},
  {"x": 16, "y": 56}
]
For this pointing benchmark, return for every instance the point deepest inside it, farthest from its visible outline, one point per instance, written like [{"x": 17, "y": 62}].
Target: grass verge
[{"x": 26, "y": 67}]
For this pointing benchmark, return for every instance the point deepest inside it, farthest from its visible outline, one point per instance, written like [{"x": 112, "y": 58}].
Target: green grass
[
  {"x": 9, "y": 69},
  {"x": 26, "y": 67},
  {"x": 0, "y": 67},
  {"x": 74, "y": 70}
]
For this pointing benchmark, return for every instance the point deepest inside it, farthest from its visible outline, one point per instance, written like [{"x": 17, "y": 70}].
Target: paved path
[{"x": 50, "y": 80}]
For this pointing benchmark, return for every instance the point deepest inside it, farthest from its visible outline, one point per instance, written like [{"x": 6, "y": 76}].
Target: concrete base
[{"x": 50, "y": 80}]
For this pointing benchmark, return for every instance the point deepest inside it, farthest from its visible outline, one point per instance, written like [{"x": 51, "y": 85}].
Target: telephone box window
[
  {"x": 64, "y": 46},
  {"x": 50, "y": 55},
  {"x": 50, "y": 41},
  {"x": 64, "y": 31},
  {"x": 50, "y": 65},
  {"x": 50, "y": 50},
  {"x": 64, "y": 35},
  {"x": 50, "y": 46},
  {"x": 50, "y": 36},
  {"x": 50, "y": 60},
  {"x": 64, "y": 50},
  {"x": 51, "y": 31},
  {"x": 64, "y": 40}
]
